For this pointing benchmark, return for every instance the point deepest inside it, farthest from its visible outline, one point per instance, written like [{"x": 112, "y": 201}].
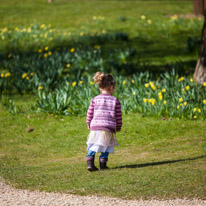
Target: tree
[
  {"x": 200, "y": 70},
  {"x": 198, "y": 7}
]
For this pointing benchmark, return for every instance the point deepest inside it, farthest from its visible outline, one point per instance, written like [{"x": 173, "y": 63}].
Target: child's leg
[
  {"x": 91, "y": 153},
  {"x": 104, "y": 155},
  {"x": 90, "y": 161},
  {"x": 103, "y": 160}
]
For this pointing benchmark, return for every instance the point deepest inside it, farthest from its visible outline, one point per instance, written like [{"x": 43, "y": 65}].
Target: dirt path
[{"x": 15, "y": 197}]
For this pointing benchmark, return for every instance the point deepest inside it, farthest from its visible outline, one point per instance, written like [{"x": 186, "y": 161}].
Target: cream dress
[{"x": 101, "y": 141}]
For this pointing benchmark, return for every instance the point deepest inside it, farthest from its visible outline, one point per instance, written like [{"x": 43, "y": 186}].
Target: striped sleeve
[
  {"x": 118, "y": 115},
  {"x": 90, "y": 113}
]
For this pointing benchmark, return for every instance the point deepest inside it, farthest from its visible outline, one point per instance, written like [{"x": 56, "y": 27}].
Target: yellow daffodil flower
[
  {"x": 145, "y": 100},
  {"x": 72, "y": 50},
  {"x": 204, "y": 84},
  {"x": 146, "y": 85},
  {"x": 40, "y": 50},
  {"x": 91, "y": 83},
  {"x": 204, "y": 101},
  {"x": 2, "y": 75},
  {"x": 181, "y": 79},
  {"x": 40, "y": 88},
  {"x": 187, "y": 88},
  {"x": 165, "y": 102},
  {"x": 149, "y": 21},
  {"x": 185, "y": 103},
  {"x": 133, "y": 81},
  {"x": 50, "y": 53},
  {"x": 163, "y": 90},
  {"x": 74, "y": 84},
  {"x": 124, "y": 82},
  {"x": 178, "y": 107},
  {"x": 180, "y": 99},
  {"x": 143, "y": 17},
  {"x": 24, "y": 75},
  {"x": 46, "y": 48},
  {"x": 134, "y": 93},
  {"x": 195, "y": 109},
  {"x": 81, "y": 82},
  {"x": 195, "y": 117},
  {"x": 7, "y": 74},
  {"x": 32, "y": 74},
  {"x": 191, "y": 80},
  {"x": 45, "y": 55}
]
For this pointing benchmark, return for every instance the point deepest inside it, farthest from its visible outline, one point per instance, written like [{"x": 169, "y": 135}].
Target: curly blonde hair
[{"x": 104, "y": 80}]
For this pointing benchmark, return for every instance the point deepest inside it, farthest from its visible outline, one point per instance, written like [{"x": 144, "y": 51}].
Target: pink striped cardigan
[{"x": 104, "y": 113}]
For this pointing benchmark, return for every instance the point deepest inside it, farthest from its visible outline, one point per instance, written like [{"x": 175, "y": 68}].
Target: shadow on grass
[{"x": 159, "y": 163}]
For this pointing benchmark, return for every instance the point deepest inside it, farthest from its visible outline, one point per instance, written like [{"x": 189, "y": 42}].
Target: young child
[{"x": 104, "y": 119}]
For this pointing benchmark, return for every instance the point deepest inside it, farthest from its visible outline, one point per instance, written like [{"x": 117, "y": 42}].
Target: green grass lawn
[
  {"x": 155, "y": 158},
  {"x": 73, "y": 15}
]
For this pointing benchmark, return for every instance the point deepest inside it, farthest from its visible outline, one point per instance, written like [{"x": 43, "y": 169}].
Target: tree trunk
[
  {"x": 200, "y": 70},
  {"x": 198, "y": 7}
]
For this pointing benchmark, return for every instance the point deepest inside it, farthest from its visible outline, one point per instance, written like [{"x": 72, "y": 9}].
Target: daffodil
[
  {"x": 199, "y": 110},
  {"x": 81, "y": 82},
  {"x": 134, "y": 93},
  {"x": 146, "y": 85},
  {"x": 145, "y": 100},
  {"x": 27, "y": 78},
  {"x": 133, "y": 81},
  {"x": 143, "y": 17},
  {"x": 42, "y": 26},
  {"x": 165, "y": 102},
  {"x": 40, "y": 50},
  {"x": 191, "y": 80},
  {"x": 68, "y": 65},
  {"x": 204, "y": 84},
  {"x": 7, "y": 74},
  {"x": 124, "y": 82},
  {"x": 50, "y": 53},
  {"x": 181, "y": 79},
  {"x": 149, "y": 21},
  {"x": 195, "y": 117},
  {"x": 178, "y": 107},
  {"x": 187, "y": 88},
  {"x": 180, "y": 99},
  {"x": 185, "y": 103},
  {"x": 40, "y": 88},
  {"x": 72, "y": 50},
  {"x": 24, "y": 75},
  {"x": 2, "y": 75},
  {"x": 195, "y": 109},
  {"x": 74, "y": 84},
  {"x": 163, "y": 90},
  {"x": 32, "y": 74},
  {"x": 174, "y": 17},
  {"x": 91, "y": 83},
  {"x": 204, "y": 101},
  {"x": 46, "y": 48},
  {"x": 45, "y": 55}
]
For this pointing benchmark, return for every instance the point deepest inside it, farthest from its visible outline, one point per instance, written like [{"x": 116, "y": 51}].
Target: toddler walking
[{"x": 104, "y": 119}]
